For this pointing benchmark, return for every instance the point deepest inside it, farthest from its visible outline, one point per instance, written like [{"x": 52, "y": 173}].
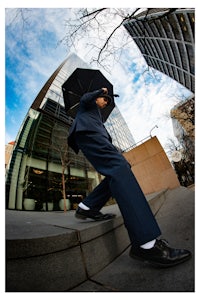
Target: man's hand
[{"x": 105, "y": 90}]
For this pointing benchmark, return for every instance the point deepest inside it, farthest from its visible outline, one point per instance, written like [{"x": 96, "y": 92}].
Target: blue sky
[{"x": 33, "y": 53}]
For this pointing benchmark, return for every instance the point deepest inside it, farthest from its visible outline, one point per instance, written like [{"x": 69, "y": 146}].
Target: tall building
[
  {"x": 165, "y": 37},
  {"x": 183, "y": 120},
  {"x": 42, "y": 166},
  {"x": 183, "y": 114}
]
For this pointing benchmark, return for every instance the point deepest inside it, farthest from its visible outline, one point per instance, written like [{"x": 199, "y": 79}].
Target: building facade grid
[{"x": 167, "y": 42}]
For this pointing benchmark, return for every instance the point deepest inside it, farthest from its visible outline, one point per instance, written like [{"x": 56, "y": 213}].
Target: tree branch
[{"x": 96, "y": 12}]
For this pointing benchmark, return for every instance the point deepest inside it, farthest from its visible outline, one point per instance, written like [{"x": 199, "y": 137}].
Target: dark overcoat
[{"x": 88, "y": 119}]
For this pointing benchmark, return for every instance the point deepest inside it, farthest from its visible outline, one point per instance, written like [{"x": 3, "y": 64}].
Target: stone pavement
[
  {"x": 176, "y": 219},
  {"x": 56, "y": 252}
]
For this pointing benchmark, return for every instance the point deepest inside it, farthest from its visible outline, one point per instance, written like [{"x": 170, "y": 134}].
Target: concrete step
[
  {"x": 176, "y": 220},
  {"x": 56, "y": 252}
]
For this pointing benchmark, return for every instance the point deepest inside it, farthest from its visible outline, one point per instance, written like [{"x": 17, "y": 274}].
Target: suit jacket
[{"x": 88, "y": 118}]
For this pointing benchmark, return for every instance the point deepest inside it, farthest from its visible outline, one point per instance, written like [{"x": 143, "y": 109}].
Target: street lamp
[{"x": 156, "y": 126}]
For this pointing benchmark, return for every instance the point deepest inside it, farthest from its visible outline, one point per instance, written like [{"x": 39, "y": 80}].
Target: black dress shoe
[
  {"x": 161, "y": 254},
  {"x": 92, "y": 214}
]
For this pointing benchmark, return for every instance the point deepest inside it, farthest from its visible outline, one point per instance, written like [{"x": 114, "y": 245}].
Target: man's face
[{"x": 101, "y": 102}]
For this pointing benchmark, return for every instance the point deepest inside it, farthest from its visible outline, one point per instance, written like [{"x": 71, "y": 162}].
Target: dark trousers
[{"x": 119, "y": 183}]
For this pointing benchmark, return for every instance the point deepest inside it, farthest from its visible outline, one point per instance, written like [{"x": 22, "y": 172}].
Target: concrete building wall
[
  {"x": 8, "y": 152},
  {"x": 152, "y": 167}
]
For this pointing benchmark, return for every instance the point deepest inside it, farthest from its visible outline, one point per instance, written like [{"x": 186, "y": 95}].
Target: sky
[{"x": 33, "y": 52}]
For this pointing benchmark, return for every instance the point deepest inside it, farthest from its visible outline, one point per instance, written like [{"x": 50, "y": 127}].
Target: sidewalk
[
  {"x": 86, "y": 256},
  {"x": 176, "y": 219}
]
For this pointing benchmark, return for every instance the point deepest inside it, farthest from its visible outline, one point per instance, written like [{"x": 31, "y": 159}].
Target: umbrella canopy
[{"x": 80, "y": 82}]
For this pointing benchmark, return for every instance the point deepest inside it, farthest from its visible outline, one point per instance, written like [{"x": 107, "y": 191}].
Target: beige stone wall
[
  {"x": 152, "y": 167},
  {"x": 8, "y": 152}
]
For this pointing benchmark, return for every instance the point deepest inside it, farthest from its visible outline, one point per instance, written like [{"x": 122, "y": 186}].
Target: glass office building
[
  {"x": 42, "y": 164},
  {"x": 166, "y": 39}
]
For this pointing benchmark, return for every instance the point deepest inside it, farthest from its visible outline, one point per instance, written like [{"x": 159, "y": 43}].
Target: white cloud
[
  {"x": 146, "y": 103},
  {"x": 142, "y": 103}
]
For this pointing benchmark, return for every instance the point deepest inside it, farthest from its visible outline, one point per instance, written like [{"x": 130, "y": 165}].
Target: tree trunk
[{"x": 63, "y": 188}]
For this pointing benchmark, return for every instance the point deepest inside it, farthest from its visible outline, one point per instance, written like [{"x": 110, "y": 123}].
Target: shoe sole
[
  {"x": 158, "y": 264},
  {"x": 82, "y": 217}
]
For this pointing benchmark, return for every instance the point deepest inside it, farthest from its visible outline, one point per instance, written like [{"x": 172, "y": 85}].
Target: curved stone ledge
[{"x": 56, "y": 252}]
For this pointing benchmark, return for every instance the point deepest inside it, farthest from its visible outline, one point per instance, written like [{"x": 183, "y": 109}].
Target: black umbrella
[{"x": 80, "y": 82}]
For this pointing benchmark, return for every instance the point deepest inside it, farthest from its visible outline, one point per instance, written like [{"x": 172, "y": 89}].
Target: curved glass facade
[
  {"x": 42, "y": 166},
  {"x": 119, "y": 131}
]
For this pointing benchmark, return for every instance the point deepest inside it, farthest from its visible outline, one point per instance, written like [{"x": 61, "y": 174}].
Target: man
[{"x": 90, "y": 136}]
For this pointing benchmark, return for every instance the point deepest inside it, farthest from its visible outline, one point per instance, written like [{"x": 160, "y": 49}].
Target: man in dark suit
[{"x": 90, "y": 136}]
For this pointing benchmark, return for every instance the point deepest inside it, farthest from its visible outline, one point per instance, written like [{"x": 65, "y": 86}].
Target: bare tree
[
  {"x": 172, "y": 145},
  {"x": 101, "y": 27},
  {"x": 21, "y": 16},
  {"x": 184, "y": 168},
  {"x": 59, "y": 144},
  {"x": 105, "y": 24}
]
